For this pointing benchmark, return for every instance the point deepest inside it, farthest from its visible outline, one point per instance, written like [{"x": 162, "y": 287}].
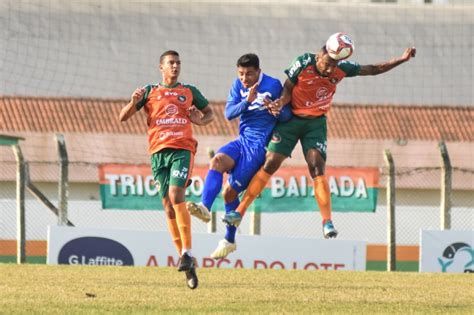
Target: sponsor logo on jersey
[
  {"x": 322, "y": 107},
  {"x": 172, "y": 134},
  {"x": 276, "y": 138},
  {"x": 294, "y": 68},
  {"x": 306, "y": 61},
  {"x": 171, "y": 109},
  {"x": 333, "y": 80},
  {"x": 170, "y": 93},
  {"x": 171, "y": 121},
  {"x": 182, "y": 98},
  {"x": 322, "y": 93},
  {"x": 257, "y": 104},
  {"x": 256, "y": 107}
]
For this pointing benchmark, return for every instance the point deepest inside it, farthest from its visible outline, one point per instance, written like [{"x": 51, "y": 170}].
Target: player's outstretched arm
[
  {"x": 389, "y": 65},
  {"x": 131, "y": 108}
]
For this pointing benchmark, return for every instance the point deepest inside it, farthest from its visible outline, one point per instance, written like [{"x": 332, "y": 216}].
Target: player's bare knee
[
  {"x": 227, "y": 198},
  {"x": 177, "y": 195},
  {"x": 229, "y": 194},
  {"x": 316, "y": 169},
  {"x": 319, "y": 170},
  {"x": 169, "y": 211},
  {"x": 217, "y": 164},
  {"x": 271, "y": 165},
  {"x": 214, "y": 163}
]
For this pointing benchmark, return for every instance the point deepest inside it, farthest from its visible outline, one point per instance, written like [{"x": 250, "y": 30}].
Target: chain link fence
[{"x": 417, "y": 208}]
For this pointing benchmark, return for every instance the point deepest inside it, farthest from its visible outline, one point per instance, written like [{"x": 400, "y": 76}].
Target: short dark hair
[
  {"x": 168, "y": 53},
  {"x": 249, "y": 60}
]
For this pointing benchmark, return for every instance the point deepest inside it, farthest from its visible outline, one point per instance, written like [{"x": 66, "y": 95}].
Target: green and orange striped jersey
[
  {"x": 167, "y": 110},
  {"x": 313, "y": 93}
]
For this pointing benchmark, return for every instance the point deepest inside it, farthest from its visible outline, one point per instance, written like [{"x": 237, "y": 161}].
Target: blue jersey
[
  {"x": 256, "y": 125},
  {"x": 256, "y": 122}
]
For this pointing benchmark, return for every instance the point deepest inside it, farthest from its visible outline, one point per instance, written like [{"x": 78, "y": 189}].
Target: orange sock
[
  {"x": 322, "y": 195},
  {"x": 175, "y": 236},
  {"x": 255, "y": 188},
  {"x": 183, "y": 219}
]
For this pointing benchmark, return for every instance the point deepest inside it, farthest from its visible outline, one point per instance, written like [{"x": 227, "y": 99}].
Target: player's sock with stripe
[
  {"x": 175, "y": 235},
  {"x": 231, "y": 229},
  {"x": 212, "y": 187},
  {"x": 183, "y": 219},
  {"x": 256, "y": 186},
  {"x": 322, "y": 194}
]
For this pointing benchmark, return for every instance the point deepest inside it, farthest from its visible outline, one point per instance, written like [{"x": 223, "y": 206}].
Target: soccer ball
[{"x": 339, "y": 46}]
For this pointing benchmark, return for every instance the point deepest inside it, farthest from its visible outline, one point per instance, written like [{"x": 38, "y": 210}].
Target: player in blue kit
[{"x": 242, "y": 157}]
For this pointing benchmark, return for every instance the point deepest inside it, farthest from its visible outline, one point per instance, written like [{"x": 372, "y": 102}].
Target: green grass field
[{"x": 79, "y": 289}]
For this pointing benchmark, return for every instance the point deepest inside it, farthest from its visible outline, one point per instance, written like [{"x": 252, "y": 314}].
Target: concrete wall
[{"x": 107, "y": 48}]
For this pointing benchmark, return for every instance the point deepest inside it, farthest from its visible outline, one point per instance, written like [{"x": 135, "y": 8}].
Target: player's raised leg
[
  {"x": 323, "y": 198},
  {"x": 316, "y": 164},
  {"x": 219, "y": 164},
  {"x": 228, "y": 244},
  {"x": 257, "y": 185}
]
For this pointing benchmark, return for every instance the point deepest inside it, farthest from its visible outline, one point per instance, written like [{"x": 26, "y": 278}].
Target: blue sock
[
  {"x": 212, "y": 187},
  {"x": 230, "y": 229}
]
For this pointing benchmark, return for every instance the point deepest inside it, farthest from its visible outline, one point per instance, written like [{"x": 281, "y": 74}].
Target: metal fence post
[
  {"x": 391, "y": 244},
  {"x": 20, "y": 205},
  {"x": 446, "y": 187},
  {"x": 63, "y": 180},
  {"x": 255, "y": 222},
  {"x": 39, "y": 195},
  {"x": 211, "y": 226}
]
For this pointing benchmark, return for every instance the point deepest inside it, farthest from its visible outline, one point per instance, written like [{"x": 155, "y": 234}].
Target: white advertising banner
[
  {"x": 447, "y": 251},
  {"x": 83, "y": 246}
]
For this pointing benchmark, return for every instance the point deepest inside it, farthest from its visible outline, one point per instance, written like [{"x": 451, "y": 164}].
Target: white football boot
[{"x": 223, "y": 249}]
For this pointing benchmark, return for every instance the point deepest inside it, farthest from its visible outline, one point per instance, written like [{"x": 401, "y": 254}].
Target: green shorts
[
  {"x": 312, "y": 132},
  {"x": 171, "y": 167}
]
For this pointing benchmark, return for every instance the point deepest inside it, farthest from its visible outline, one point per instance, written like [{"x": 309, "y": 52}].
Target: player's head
[
  {"x": 248, "y": 69},
  {"x": 325, "y": 64},
  {"x": 170, "y": 64}
]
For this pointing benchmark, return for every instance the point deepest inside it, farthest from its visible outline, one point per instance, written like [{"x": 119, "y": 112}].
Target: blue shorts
[{"x": 248, "y": 160}]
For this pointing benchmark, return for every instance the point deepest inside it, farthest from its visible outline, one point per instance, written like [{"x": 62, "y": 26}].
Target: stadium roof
[
  {"x": 359, "y": 135},
  {"x": 346, "y": 121}
]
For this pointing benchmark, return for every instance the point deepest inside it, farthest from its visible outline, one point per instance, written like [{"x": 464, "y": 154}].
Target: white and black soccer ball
[{"x": 339, "y": 46}]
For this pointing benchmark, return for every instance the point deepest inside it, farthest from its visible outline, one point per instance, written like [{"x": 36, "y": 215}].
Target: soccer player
[
  {"x": 242, "y": 157},
  {"x": 310, "y": 87},
  {"x": 171, "y": 107}
]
